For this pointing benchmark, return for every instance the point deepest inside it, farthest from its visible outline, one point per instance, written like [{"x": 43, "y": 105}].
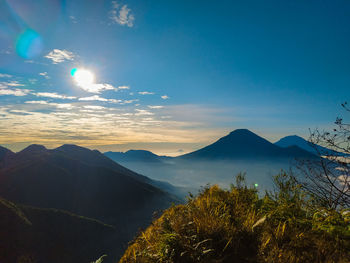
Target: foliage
[
  {"x": 328, "y": 177},
  {"x": 237, "y": 225}
]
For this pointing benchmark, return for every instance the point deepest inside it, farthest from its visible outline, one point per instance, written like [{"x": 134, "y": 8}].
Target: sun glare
[{"x": 83, "y": 77}]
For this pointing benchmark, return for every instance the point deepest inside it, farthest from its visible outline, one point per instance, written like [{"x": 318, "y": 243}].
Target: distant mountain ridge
[
  {"x": 238, "y": 144},
  {"x": 294, "y": 140},
  {"x": 134, "y": 155},
  {"x": 244, "y": 144}
]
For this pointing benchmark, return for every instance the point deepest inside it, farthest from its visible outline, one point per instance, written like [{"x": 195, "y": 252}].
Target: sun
[{"x": 83, "y": 77}]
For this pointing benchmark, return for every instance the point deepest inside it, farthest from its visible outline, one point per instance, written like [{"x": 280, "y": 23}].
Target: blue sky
[{"x": 170, "y": 76}]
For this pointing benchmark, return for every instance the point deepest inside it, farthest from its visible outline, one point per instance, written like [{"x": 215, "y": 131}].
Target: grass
[{"x": 238, "y": 225}]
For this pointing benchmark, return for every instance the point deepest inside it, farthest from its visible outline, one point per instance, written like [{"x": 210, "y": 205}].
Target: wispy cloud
[
  {"x": 42, "y": 102},
  {"x": 57, "y": 105},
  {"x": 73, "y": 19},
  {"x": 5, "y": 75},
  {"x": 123, "y": 87},
  {"x": 93, "y": 98},
  {"x": 164, "y": 97},
  {"x": 155, "y": 107},
  {"x": 143, "y": 112},
  {"x": 98, "y": 98},
  {"x": 45, "y": 75},
  {"x": 11, "y": 84},
  {"x": 97, "y": 88},
  {"x": 6, "y": 88},
  {"x": 121, "y": 15},
  {"x": 146, "y": 93},
  {"x": 93, "y": 107},
  {"x": 59, "y": 56},
  {"x": 129, "y": 101},
  {"x": 14, "y": 92},
  {"x": 54, "y": 95}
]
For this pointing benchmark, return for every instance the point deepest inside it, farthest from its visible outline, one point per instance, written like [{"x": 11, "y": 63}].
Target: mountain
[
  {"x": 30, "y": 234},
  {"x": 83, "y": 182},
  {"x": 244, "y": 144},
  {"x": 5, "y": 153},
  {"x": 134, "y": 156},
  {"x": 295, "y": 140}
]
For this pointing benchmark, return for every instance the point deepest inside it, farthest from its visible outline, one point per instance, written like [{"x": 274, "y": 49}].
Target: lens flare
[
  {"x": 72, "y": 72},
  {"x": 29, "y": 44}
]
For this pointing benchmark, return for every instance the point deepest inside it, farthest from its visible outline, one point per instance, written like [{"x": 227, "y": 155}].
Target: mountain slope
[
  {"x": 295, "y": 140},
  {"x": 37, "y": 234},
  {"x": 244, "y": 144},
  {"x": 5, "y": 153},
  {"x": 84, "y": 182}
]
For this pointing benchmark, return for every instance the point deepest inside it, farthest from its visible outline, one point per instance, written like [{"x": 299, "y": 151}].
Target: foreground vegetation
[{"x": 238, "y": 225}]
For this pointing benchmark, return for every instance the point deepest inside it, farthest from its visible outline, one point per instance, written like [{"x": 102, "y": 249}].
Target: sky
[{"x": 169, "y": 76}]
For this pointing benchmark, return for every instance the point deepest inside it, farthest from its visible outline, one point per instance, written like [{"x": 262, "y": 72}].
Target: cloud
[
  {"x": 73, "y": 19},
  {"x": 42, "y": 102},
  {"x": 129, "y": 101},
  {"x": 19, "y": 112},
  {"x": 155, "y": 107},
  {"x": 6, "y": 89},
  {"x": 164, "y": 97},
  {"x": 143, "y": 112},
  {"x": 44, "y": 74},
  {"x": 92, "y": 107},
  {"x": 97, "y": 88},
  {"x": 57, "y": 105},
  {"x": 11, "y": 84},
  {"x": 5, "y": 75},
  {"x": 53, "y": 124},
  {"x": 123, "y": 87},
  {"x": 122, "y": 16},
  {"x": 93, "y": 98},
  {"x": 15, "y": 92},
  {"x": 98, "y": 98},
  {"x": 54, "y": 95},
  {"x": 146, "y": 93},
  {"x": 59, "y": 56}
]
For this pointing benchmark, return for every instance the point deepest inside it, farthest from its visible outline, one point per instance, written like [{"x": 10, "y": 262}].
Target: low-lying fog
[{"x": 194, "y": 174}]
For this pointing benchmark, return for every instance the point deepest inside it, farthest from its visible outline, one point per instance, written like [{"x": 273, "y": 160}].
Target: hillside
[
  {"x": 238, "y": 225},
  {"x": 84, "y": 182},
  {"x": 40, "y": 235}
]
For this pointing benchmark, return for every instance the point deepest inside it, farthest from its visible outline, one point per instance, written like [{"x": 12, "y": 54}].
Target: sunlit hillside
[{"x": 238, "y": 225}]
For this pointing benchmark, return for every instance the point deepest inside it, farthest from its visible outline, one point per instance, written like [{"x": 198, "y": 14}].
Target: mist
[{"x": 196, "y": 174}]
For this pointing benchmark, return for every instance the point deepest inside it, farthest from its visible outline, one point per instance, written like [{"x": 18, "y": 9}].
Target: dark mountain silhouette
[
  {"x": 5, "y": 153},
  {"x": 244, "y": 144},
  {"x": 134, "y": 156},
  {"x": 51, "y": 235},
  {"x": 295, "y": 140},
  {"x": 84, "y": 182}
]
